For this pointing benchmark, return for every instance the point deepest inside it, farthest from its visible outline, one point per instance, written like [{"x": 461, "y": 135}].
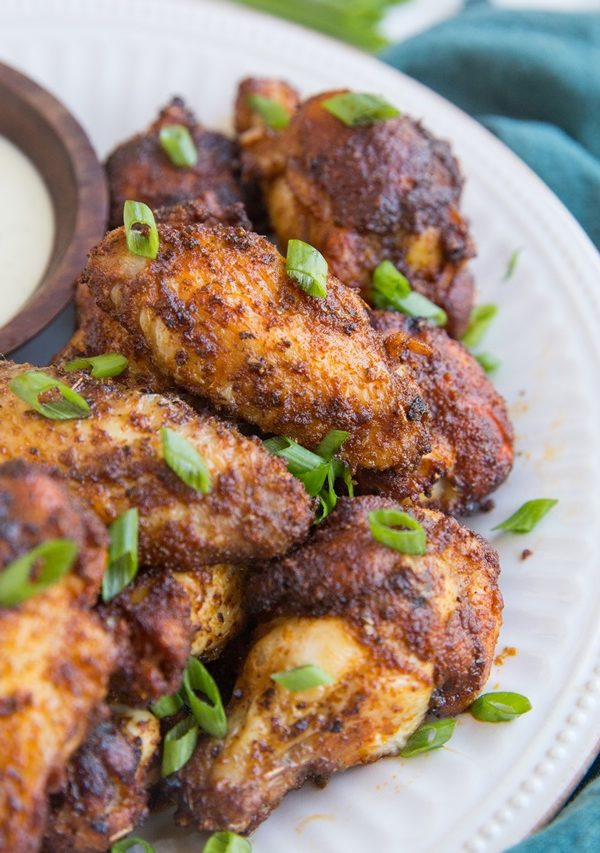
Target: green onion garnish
[
  {"x": 141, "y": 233},
  {"x": 52, "y": 560},
  {"x": 29, "y": 386},
  {"x": 302, "y": 678},
  {"x": 384, "y": 524},
  {"x": 359, "y": 108},
  {"x": 227, "y": 842},
  {"x": 332, "y": 443},
  {"x": 500, "y": 707},
  {"x": 427, "y": 737},
  {"x": 177, "y": 143},
  {"x": 166, "y": 706},
  {"x": 488, "y": 361},
  {"x": 308, "y": 267},
  {"x": 527, "y": 516},
  {"x": 178, "y": 745},
  {"x": 122, "y": 554},
  {"x": 103, "y": 366},
  {"x": 272, "y": 112},
  {"x": 480, "y": 319},
  {"x": 392, "y": 290},
  {"x": 129, "y": 843},
  {"x": 210, "y": 716},
  {"x": 183, "y": 458},
  {"x": 512, "y": 264}
]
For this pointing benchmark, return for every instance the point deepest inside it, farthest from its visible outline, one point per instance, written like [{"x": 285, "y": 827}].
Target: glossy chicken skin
[
  {"x": 220, "y": 317},
  {"x": 55, "y": 656},
  {"x": 398, "y": 634},
  {"x": 471, "y": 434},
  {"x": 361, "y": 195},
  {"x": 140, "y": 169},
  {"x": 113, "y": 460}
]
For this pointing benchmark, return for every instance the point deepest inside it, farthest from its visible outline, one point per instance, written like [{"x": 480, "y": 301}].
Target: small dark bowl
[{"x": 42, "y": 128}]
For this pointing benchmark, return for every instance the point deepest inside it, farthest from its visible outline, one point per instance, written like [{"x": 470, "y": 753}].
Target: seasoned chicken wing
[
  {"x": 221, "y": 318},
  {"x": 140, "y": 169},
  {"x": 55, "y": 656},
  {"x": 396, "y": 634},
  {"x": 363, "y": 194},
  {"x": 471, "y": 434},
  {"x": 113, "y": 460}
]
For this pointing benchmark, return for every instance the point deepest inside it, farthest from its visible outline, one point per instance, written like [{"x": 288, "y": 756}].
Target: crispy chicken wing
[
  {"x": 113, "y": 460},
  {"x": 397, "y": 634},
  {"x": 221, "y": 318},
  {"x": 471, "y": 433},
  {"x": 55, "y": 656},
  {"x": 363, "y": 194}
]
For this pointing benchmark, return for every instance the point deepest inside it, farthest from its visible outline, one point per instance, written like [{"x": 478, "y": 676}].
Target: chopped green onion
[
  {"x": 210, "y": 716},
  {"x": 227, "y": 842},
  {"x": 122, "y": 554},
  {"x": 167, "y": 706},
  {"x": 488, "y": 361},
  {"x": 308, "y": 267},
  {"x": 359, "y": 108},
  {"x": 299, "y": 459},
  {"x": 28, "y": 387},
  {"x": 384, "y": 524},
  {"x": 177, "y": 143},
  {"x": 129, "y": 843},
  {"x": 527, "y": 516},
  {"x": 332, "y": 443},
  {"x": 56, "y": 558},
  {"x": 512, "y": 264},
  {"x": 183, "y": 458},
  {"x": 429, "y": 736},
  {"x": 272, "y": 112},
  {"x": 500, "y": 707},
  {"x": 178, "y": 745},
  {"x": 141, "y": 232},
  {"x": 392, "y": 290},
  {"x": 302, "y": 678},
  {"x": 480, "y": 319},
  {"x": 103, "y": 366}
]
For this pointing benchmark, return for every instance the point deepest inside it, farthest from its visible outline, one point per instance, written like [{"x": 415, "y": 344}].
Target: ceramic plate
[{"x": 114, "y": 63}]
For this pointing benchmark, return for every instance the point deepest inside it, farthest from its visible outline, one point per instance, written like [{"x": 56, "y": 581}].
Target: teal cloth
[{"x": 533, "y": 79}]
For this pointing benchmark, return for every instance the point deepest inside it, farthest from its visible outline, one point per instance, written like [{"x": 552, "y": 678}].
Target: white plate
[{"x": 114, "y": 63}]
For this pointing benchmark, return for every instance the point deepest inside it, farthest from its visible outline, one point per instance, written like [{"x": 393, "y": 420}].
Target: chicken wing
[
  {"x": 397, "y": 635},
  {"x": 55, "y": 656},
  {"x": 364, "y": 194},
  {"x": 471, "y": 433},
  {"x": 113, "y": 460}
]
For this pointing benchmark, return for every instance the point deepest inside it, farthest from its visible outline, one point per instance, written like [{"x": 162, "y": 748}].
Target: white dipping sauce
[{"x": 26, "y": 229}]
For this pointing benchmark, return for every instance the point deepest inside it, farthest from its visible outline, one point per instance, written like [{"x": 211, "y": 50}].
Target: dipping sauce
[{"x": 26, "y": 229}]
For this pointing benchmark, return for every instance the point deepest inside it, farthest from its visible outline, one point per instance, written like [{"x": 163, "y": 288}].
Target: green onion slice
[
  {"x": 28, "y": 387},
  {"x": 183, "y": 458},
  {"x": 392, "y": 290},
  {"x": 512, "y": 264},
  {"x": 307, "y": 267},
  {"x": 130, "y": 843},
  {"x": 167, "y": 706},
  {"x": 488, "y": 361},
  {"x": 500, "y": 707},
  {"x": 332, "y": 443},
  {"x": 177, "y": 143},
  {"x": 210, "y": 715},
  {"x": 227, "y": 842},
  {"x": 272, "y": 112},
  {"x": 384, "y": 524},
  {"x": 480, "y": 319},
  {"x": 178, "y": 745},
  {"x": 302, "y": 678},
  {"x": 141, "y": 233},
  {"x": 52, "y": 560},
  {"x": 527, "y": 516},
  {"x": 103, "y": 366},
  {"x": 122, "y": 554},
  {"x": 429, "y": 736},
  {"x": 359, "y": 108}
]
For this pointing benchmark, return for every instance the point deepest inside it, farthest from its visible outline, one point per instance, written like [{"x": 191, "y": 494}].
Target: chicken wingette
[
  {"x": 397, "y": 635},
  {"x": 220, "y": 317},
  {"x": 387, "y": 190},
  {"x": 55, "y": 656},
  {"x": 113, "y": 460}
]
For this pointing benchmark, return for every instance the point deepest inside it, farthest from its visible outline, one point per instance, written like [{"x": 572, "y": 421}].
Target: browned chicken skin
[
  {"x": 55, "y": 656},
  {"x": 361, "y": 195},
  {"x": 471, "y": 433},
  {"x": 398, "y": 635}
]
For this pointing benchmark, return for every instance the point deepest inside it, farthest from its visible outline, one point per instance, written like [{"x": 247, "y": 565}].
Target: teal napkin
[{"x": 533, "y": 79}]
